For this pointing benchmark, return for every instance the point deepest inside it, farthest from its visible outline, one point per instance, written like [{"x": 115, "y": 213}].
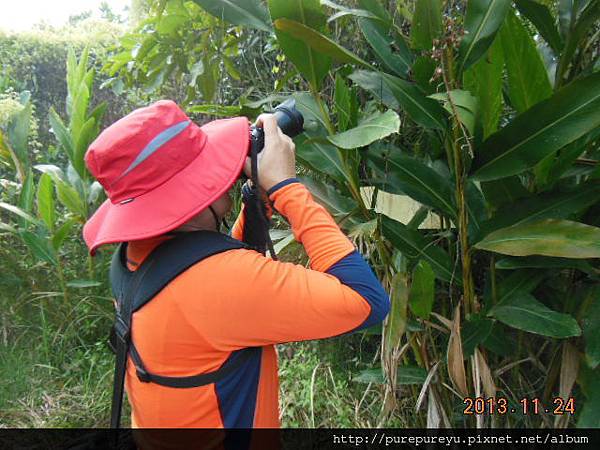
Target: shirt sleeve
[{"x": 254, "y": 300}]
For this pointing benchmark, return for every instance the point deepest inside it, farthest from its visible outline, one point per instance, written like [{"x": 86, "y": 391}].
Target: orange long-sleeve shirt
[{"x": 238, "y": 299}]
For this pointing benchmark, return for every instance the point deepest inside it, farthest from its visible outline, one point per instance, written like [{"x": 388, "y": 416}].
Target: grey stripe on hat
[{"x": 155, "y": 144}]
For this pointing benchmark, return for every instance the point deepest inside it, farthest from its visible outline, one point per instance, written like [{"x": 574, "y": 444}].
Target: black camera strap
[{"x": 263, "y": 222}]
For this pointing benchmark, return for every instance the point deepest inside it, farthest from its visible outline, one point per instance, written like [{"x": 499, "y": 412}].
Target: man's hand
[{"x": 277, "y": 161}]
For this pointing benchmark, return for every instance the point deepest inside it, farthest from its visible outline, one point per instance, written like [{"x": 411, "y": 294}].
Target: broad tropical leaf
[
  {"x": 543, "y": 262},
  {"x": 546, "y": 237},
  {"x": 415, "y": 246},
  {"x": 45, "y": 201},
  {"x": 425, "y": 111},
  {"x": 483, "y": 19},
  {"x": 19, "y": 212},
  {"x": 62, "y": 134},
  {"x": 422, "y": 290},
  {"x": 338, "y": 205},
  {"x": 526, "y": 313},
  {"x": 541, "y": 17},
  {"x": 542, "y": 130},
  {"x": 518, "y": 282},
  {"x": 381, "y": 42},
  {"x": 474, "y": 332},
  {"x": 464, "y": 102},
  {"x": 39, "y": 246},
  {"x": 374, "y": 128},
  {"x": 426, "y": 24},
  {"x": 310, "y": 63},
  {"x": 400, "y": 174},
  {"x": 591, "y": 325},
  {"x": 528, "y": 81},
  {"x": 484, "y": 80},
  {"x": 319, "y": 42},
  {"x": 375, "y": 85},
  {"x": 322, "y": 157},
  {"x": 249, "y": 13},
  {"x": 552, "y": 205}
]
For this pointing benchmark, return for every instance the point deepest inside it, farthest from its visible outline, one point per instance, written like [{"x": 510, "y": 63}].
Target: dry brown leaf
[
  {"x": 456, "y": 367},
  {"x": 485, "y": 375},
  {"x": 569, "y": 368}
]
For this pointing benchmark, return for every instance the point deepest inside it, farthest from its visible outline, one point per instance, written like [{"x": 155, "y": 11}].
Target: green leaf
[
  {"x": 344, "y": 11},
  {"x": 19, "y": 212},
  {"x": 343, "y": 103},
  {"x": 424, "y": 111},
  {"x": 45, "y": 201},
  {"x": 426, "y": 24},
  {"x": 422, "y": 290},
  {"x": 169, "y": 24},
  {"x": 380, "y": 41},
  {"x": 504, "y": 191},
  {"x": 400, "y": 174},
  {"x": 39, "y": 247},
  {"x": 313, "y": 116},
  {"x": 542, "y": 130},
  {"x": 396, "y": 320},
  {"x": 370, "y": 376},
  {"x": 62, "y": 233},
  {"x": 323, "y": 158},
  {"x": 543, "y": 262},
  {"x": 552, "y": 205},
  {"x": 70, "y": 198},
  {"x": 423, "y": 70},
  {"x": 589, "y": 380},
  {"x": 591, "y": 326},
  {"x": 374, "y": 84},
  {"x": 27, "y": 193},
  {"x": 407, "y": 375},
  {"x": 54, "y": 171},
  {"x": 519, "y": 282},
  {"x": 541, "y": 17},
  {"x": 415, "y": 246},
  {"x": 83, "y": 139},
  {"x": 249, "y": 13},
  {"x": 499, "y": 341},
  {"x": 465, "y": 103},
  {"x": 546, "y": 237},
  {"x": 374, "y": 128},
  {"x": 215, "y": 110},
  {"x": 310, "y": 63},
  {"x": 483, "y": 19},
  {"x": 17, "y": 131},
  {"x": 528, "y": 81},
  {"x": 338, "y": 205},
  {"x": 62, "y": 134},
  {"x": 578, "y": 29},
  {"x": 82, "y": 284},
  {"x": 525, "y": 313},
  {"x": 318, "y": 42},
  {"x": 474, "y": 332},
  {"x": 484, "y": 80}
]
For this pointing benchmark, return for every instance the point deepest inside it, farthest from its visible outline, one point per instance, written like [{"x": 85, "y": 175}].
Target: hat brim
[{"x": 204, "y": 180}]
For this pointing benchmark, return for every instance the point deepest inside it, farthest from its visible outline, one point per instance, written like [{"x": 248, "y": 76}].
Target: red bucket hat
[{"x": 159, "y": 169}]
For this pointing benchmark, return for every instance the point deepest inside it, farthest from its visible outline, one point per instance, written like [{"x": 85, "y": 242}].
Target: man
[{"x": 165, "y": 175}]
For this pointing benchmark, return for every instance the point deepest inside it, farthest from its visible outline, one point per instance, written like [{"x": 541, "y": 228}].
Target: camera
[{"x": 289, "y": 119}]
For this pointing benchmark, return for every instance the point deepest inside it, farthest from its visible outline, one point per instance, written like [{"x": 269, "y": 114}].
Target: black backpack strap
[
  {"x": 133, "y": 290},
  {"x": 191, "y": 381}
]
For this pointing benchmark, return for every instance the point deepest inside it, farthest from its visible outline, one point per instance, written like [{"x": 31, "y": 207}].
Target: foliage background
[{"x": 483, "y": 114}]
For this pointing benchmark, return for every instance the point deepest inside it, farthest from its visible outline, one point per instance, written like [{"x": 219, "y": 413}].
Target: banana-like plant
[{"x": 503, "y": 150}]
